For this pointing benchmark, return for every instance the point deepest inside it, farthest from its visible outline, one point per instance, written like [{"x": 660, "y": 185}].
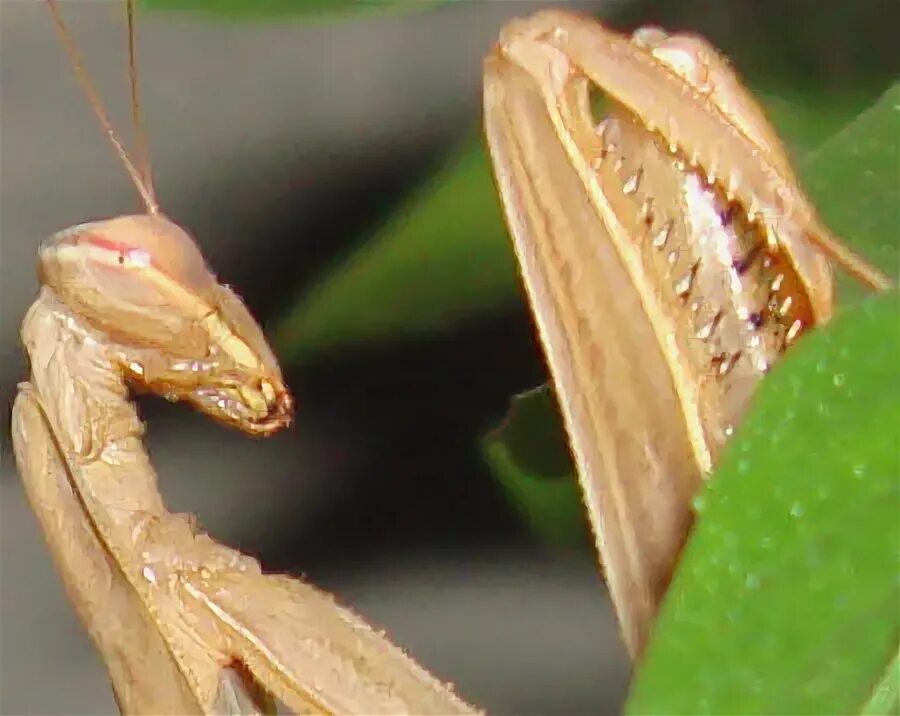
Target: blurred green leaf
[
  {"x": 529, "y": 456},
  {"x": 885, "y": 700},
  {"x": 854, "y": 180},
  {"x": 259, "y": 9},
  {"x": 785, "y": 600},
  {"x": 441, "y": 259},
  {"x": 805, "y": 118}
]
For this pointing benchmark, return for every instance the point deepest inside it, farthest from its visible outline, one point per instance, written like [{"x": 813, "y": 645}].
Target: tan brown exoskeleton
[
  {"x": 669, "y": 257},
  {"x": 184, "y": 624}
]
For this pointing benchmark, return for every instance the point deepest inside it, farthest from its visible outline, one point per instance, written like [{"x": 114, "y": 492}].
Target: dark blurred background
[{"x": 282, "y": 144}]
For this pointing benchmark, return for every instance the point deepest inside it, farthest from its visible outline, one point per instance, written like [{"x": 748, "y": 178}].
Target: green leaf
[
  {"x": 250, "y": 9},
  {"x": 854, "y": 180},
  {"x": 441, "y": 259},
  {"x": 805, "y": 118},
  {"x": 885, "y": 699},
  {"x": 529, "y": 456},
  {"x": 786, "y": 597}
]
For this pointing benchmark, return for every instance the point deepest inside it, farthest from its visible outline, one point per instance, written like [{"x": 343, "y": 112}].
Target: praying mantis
[{"x": 186, "y": 625}]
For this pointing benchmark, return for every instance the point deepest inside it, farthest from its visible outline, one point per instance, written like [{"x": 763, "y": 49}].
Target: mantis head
[{"x": 141, "y": 281}]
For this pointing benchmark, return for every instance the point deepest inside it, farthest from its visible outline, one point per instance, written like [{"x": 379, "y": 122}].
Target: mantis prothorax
[
  {"x": 184, "y": 624},
  {"x": 669, "y": 257}
]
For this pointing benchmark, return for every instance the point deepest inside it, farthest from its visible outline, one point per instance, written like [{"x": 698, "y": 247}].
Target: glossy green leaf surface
[
  {"x": 885, "y": 699},
  {"x": 785, "y": 600}
]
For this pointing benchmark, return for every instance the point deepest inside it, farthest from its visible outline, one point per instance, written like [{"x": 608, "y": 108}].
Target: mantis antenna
[
  {"x": 142, "y": 149},
  {"x": 141, "y": 179}
]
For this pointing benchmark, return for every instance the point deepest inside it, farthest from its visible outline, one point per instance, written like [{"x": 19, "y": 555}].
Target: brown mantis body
[
  {"x": 170, "y": 609},
  {"x": 666, "y": 254},
  {"x": 184, "y": 624}
]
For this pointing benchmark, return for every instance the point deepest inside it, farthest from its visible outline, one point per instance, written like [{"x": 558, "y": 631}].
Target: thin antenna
[
  {"x": 142, "y": 150},
  {"x": 93, "y": 98}
]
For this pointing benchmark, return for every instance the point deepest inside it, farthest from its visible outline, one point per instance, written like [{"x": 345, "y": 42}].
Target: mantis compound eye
[
  {"x": 141, "y": 279},
  {"x": 142, "y": 282}
]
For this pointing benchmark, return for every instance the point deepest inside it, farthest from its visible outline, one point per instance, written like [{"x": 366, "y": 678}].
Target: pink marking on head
[
  {"x": 133, "y": 256},
  {"x": 152, "y": 241}
]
